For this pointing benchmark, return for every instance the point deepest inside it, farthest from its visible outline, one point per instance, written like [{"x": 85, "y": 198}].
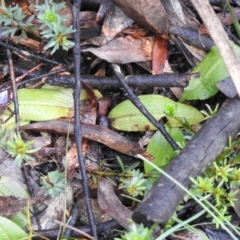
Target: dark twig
[
  {"x": 8, "y": 46},
  {"x": 14, "y": 90},
  {"x": 164, "y": 197},
  {"x": 72, "y": 221},
  {"x": 181, "y": 47},
  {"x": 102, "y": 228},
  {"x": 192, "y": 37},
  {"x": 140, "y": 81},
  {"x": 31, "y": 191},
  {"x": 77, "y": 124},
  {"x": 141, "y": 108}
]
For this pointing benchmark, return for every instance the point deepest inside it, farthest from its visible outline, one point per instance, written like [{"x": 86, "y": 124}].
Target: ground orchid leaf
[
  {"x": 9, "y": 230},
  {"x": 126, "y": 117},
  {"x": 161, "y": 150},
  {"x": 213, "y": 70}
]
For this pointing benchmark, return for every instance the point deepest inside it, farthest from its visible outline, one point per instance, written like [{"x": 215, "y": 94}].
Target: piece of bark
[
  {"x": 110, "y": 203},
  {"x": 164, "y": 197},
  {"x": 93, "y": 132}
]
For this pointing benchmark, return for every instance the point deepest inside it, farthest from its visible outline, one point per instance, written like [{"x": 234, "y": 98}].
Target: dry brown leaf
[
  {"x": 173, "y": 16},
  {"x": 160, "y": 53},
  {"x": 28, "y": 42},
  {"x": 89, "y": 106},
  {"x": 87, "y": 19},
  {"x": 105, "y": 4},
  {"x": 115, "y": 21},
  {"x": 110, "y": 203},
  {"x": 10, "y": 205},
  {"x": 125, "y": 50},
  {"x": 149, "y": 14}
]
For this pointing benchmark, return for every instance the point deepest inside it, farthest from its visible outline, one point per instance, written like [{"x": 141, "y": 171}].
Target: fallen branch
[{"x": 164, "y": 197}]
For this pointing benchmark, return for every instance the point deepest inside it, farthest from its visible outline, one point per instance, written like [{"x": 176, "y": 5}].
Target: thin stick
[
  {"x": 220, "y": 38},
  {"x": 14, "y": 90},
  {"x": 141, "y": 108},
  {"x": 8, "y": 46},
  {"x": 77, "y": 124},
  {"x": 75, "y": 229}
]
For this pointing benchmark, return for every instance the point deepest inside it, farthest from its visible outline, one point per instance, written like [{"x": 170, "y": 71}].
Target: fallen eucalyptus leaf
[
  {"x": 115, "y": 21},
  {"x": 178, "y": 9},
  {"x": 149, "y": 14},
  {"x": 125, "y": 116},
  {"x": 125, "y": 50}
]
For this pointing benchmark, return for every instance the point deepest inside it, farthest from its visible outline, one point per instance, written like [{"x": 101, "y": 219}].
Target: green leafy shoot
[
  {"x": 5, "y": 135},
  {"x": 137, "y": 232},
  {"x": 20, "y": 150},
  {"x": 235, "y": 20},
  {"x": 134, "y": 186},
  {"x": 13, "y": 19},
  {"x": 52, "y": 25},
  {"x": 211, "y": 112},
  {"x": 54, "y": 183},
  {"x": 219, "y": 217}
]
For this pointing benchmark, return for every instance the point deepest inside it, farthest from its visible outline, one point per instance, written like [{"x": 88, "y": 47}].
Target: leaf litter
[{"x": 118, "y": 45}]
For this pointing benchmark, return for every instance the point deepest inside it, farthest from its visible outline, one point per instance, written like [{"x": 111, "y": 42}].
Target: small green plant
[
  {"x": 13, "y": 19},
  {"x": 136, "y": 185},
  {"x": 211, "y": 112},
  {"x": 51, "y": 23},
  {"x": 137, "y": 232},
  {"x": 19, "y": 149},
  {"x": 53, "y": 183}
]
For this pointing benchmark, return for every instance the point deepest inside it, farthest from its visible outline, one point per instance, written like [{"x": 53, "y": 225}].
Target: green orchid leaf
[
  {"x": 213, "y": 70},
  {"x": 69, "y": 91},
  {"x": 43, "y": 104},
  {"x": 126, "y": 117},
  {"x": 10, "y": 187},
  {"x": 161, "y": 150},
  {"x": 10, "y": 231}
]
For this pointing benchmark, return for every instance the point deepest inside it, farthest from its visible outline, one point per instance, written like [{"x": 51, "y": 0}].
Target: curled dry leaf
[
  {"x": 178, "y": 10},
  {"x": 149, "y": 14},
  {"x": 110, "y": 203},
  {"x": 178, "y": 15},
  {"x": 125, "y": 50},
  {"x": 105, "y": 4},
  {"x": 115, "y": 21}
]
